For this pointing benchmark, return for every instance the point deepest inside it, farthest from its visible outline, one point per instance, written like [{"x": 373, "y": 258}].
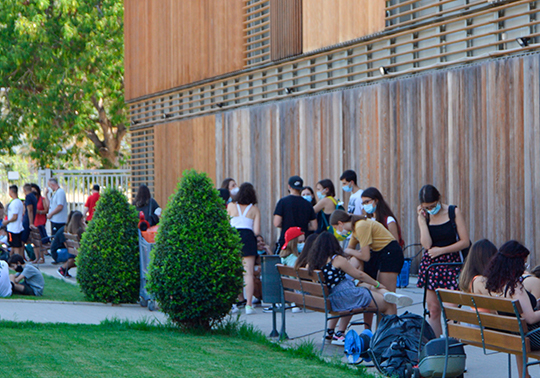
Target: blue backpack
[{"x": 356, "y": 346}]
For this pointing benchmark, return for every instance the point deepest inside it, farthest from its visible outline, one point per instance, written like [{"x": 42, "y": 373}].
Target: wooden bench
[
  {"x": 72, "y": 243},
  {"x": 473, "y": 325},
  {"x": 310, "y": 291},
  {"x": 35, "y": 240}
]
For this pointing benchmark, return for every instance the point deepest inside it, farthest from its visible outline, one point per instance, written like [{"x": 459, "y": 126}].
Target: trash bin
[
  {"x": 271, "y": 280},
  {"x": 144, "y": 257}
]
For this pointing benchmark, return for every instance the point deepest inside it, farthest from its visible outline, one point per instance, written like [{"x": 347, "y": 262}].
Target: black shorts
[
  {"x": 15, "y": 240},
  {"x": 27, "y": 289},
  {"x": 388, "y": 260}
]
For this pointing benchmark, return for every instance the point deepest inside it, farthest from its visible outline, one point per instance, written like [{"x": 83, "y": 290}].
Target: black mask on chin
[{"x": 19, "y": 269}]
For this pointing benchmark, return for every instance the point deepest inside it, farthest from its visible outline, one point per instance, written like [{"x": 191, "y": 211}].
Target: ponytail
[{"x": 344, "y": 217}]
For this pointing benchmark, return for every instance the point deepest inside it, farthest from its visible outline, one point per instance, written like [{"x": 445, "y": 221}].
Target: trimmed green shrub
[
  {"x": 108, "y": 260},
  {"x": 196, "y": 267}
]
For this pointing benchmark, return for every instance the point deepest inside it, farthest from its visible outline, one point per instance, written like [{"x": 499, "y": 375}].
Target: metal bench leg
[{"x": 274, "y": 332}]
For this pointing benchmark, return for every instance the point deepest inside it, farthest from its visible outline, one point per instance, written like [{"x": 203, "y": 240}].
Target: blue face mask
[
  {"x": 308, "y": 198},
  {"x": 300, "y": 247},
  {"x": 370, "y": 208},
  {"x": 435, "y": 210},
  {"x": 261, "y": 252},
  {"x": 320, "y": 195},
  {"x": 347, "y": 188}
]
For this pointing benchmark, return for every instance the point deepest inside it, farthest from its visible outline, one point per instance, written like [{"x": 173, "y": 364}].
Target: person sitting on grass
[
  {"x": 345, "y": 295},
  {"x": 76, "y": 226},
  {"x": 33, "y": 283},
  {"x": 5, "y": 284}
]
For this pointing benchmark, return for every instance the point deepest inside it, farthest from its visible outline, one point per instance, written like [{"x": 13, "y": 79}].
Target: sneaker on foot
[
  {"x": 329, "y": 334},
  {"x": 296, "y": 309},
  {"x": 338, "y": 338},
  {"x": 234, "y": 309},
  {"x": 250, "y": 310},
  {"x": 61, "y": 272},
  {"x": 399, "y": 299}
]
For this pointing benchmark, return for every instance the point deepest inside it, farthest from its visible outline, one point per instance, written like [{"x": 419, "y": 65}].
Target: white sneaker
[
  {"x": 234, "y": 309},
  {"x": 250, "y": 310},
  {"x": 296, "y": 309},
  {"x": 399, "y": 299}
]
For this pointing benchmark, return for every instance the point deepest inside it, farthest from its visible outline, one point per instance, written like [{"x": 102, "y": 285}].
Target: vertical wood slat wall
[
  {"x": 183, "y": 145},
  {"x": 285, "y": 28},
  {"x": 143, "y": 159},
  {"x": 170, "y": 43},
  {"x": 329, "y": 22},
  {"x": 455, "y": 129},
  {"x": 257, "y": 16}
]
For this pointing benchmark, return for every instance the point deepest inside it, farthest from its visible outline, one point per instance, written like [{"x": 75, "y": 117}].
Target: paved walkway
[{"x": 300, "y": 326}]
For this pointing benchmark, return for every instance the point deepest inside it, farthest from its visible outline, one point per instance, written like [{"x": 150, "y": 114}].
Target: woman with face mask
[
  {"x": 442, "y": 244},
  {"x": 326, "y": 204},
  {"x": 231, "y": 186},
  {"x": 386, "y": 260},
  {"x": 375, "y": 207},
  {"x": 309, "y": 195}
]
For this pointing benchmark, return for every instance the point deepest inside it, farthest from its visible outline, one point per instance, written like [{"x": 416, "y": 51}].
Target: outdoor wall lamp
[
  {"x": 166, "y": 115},
  {"x": 383, "y": 70},
  {"x": 133, "y": 122},
  {"x": 523, "y": 41},
  {"x": 289, "y": 90}
]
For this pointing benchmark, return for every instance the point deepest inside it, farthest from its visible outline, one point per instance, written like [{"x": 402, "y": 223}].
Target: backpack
[
  {"x": 452, "y": 215},
  {"x": 29, "y": 248},
  {"x": 356, "y": 346}
]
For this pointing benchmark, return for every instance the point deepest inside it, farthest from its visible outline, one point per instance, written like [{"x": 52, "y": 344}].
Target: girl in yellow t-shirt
[{"x": 386, "y": 261}]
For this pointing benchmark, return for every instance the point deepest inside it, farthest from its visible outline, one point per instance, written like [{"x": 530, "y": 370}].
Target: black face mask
[{"x": 19, "y": 269}]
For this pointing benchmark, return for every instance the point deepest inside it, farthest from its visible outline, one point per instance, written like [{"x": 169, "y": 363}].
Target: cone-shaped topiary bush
[
  {"x": 108, "y": 260},
  {"x": 196, "y": 268}
]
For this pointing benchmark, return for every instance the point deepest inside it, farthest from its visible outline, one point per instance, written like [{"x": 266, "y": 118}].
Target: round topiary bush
[
  {"x": 108, "y": 260},
  {"x": 196, "y": 269}
]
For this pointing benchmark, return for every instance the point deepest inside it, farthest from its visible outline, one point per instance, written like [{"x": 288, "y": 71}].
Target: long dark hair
[
  {"x": 246, "y": 195},
  {"x": 506, "y": 268},
  {"x": 225, "y": 183},
  {"x": 383, "y": 211},
  {"x": 324, "y": 248},
  {"x": 328, "y": 184},
  {"x": 476, "y": 263},
  {"x": 76, "y": 224},
  {"x": 143, "y": 196},
  {"x": 343, "y": 216},
  {"x": 428, "y": 193},
  {"x": 37, "y": 189},
  {"x": 313, "y": 196},
  {"x": 301, "y": 261}
]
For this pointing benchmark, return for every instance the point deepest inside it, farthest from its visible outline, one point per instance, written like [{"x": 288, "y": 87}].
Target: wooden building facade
[{"x": 418, "y": 92}]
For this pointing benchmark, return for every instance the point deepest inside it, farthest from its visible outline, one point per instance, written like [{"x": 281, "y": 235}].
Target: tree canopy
[{"x": 61, "y": 73}]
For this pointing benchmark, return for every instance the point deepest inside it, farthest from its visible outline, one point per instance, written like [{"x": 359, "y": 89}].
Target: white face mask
[{"x": 235, "y": 191}]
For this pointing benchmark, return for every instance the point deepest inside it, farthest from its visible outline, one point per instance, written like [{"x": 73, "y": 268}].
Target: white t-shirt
[
  {"x": 355, "y": 203},
  {"x": 5, "y": 285},
  {"x": 15, "y": 207},
  {"x": 390, "y": 220},
  {"x": 59, "y": 198}
]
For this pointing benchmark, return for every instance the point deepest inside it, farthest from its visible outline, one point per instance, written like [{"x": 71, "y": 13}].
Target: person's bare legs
[
  {"x": 17, "y": 251},
  {"x": 16, "y": 286},
  {"x": 249, "y": 267},
  {"x": 519, "y": 362},
  {"x": 389, "y": 280},
  {"x": 70, "y": 263},
  {"x": 434, "y": 309}
]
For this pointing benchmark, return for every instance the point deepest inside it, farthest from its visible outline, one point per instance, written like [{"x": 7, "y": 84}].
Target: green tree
[
  {"x": 108, "y": 259},
  {"x": 196, "y": 268},
  {"x": 61, "y": 70}
]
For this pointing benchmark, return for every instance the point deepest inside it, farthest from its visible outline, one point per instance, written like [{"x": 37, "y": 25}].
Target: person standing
[
  {"x": 58, "y": 210},
  {"x": 326, "y": 205},
  {"x": 443, "y": 235},
  {"x": 30, "y": 210},
  {"x": 90, "y": 204},
  {"x": 246, "y": 218},
  {"x": 149, "y": 206},
  {"x": 349, "y": 182},
  {"x": 294, "y": 211},
  {"x": 14, "y": 222},
  {"x": 41, "y": 215}
]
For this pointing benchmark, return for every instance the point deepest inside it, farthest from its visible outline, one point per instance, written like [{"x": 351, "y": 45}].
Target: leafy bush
[
  {"x": 108, "y": 260},
  {"x": 196, "y": 268}
]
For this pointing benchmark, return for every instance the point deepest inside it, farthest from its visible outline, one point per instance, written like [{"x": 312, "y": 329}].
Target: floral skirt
[{"x": 439, "y": 277}]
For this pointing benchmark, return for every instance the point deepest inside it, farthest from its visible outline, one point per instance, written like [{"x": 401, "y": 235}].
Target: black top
[
  {"x": 295, "y": 211},
  {"x": 332, "y": 275},
  {"x": 30, "y": 200},
  {"x": 148, "y": 211},
  {"x": 442, "y": 235}
]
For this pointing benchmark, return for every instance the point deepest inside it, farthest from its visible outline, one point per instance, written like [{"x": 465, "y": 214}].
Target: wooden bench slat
[
  {"x": 493, "y": 339},
  {"x": 306, "y": 286},
  {"x": 310, "y": 300},
  {"x": 468, "y": 315},
  {"x": 482, "y": 301}
]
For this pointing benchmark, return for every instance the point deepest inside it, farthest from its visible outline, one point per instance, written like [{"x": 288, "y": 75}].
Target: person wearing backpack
[
  {"x": 326, "y": 205},
  {"x": 379, "y": 250},
  {"x": 443, "y": 235}
]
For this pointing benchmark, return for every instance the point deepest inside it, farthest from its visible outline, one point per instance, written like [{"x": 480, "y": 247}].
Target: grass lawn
[
  {"x": 56, "y": 290},
  {"x": 119, "y": 349}
]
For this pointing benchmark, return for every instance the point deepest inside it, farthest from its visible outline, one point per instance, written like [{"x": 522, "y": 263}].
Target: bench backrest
[
  {"x": 301, "y": 287},
  {"x": 35, "y": 237},
  {"x": 72, "y": 243},
  {"x": 479, "y": 321}
]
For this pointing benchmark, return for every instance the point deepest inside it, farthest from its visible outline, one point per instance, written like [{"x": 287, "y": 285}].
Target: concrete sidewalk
[{"x": 299, "y": 326}]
